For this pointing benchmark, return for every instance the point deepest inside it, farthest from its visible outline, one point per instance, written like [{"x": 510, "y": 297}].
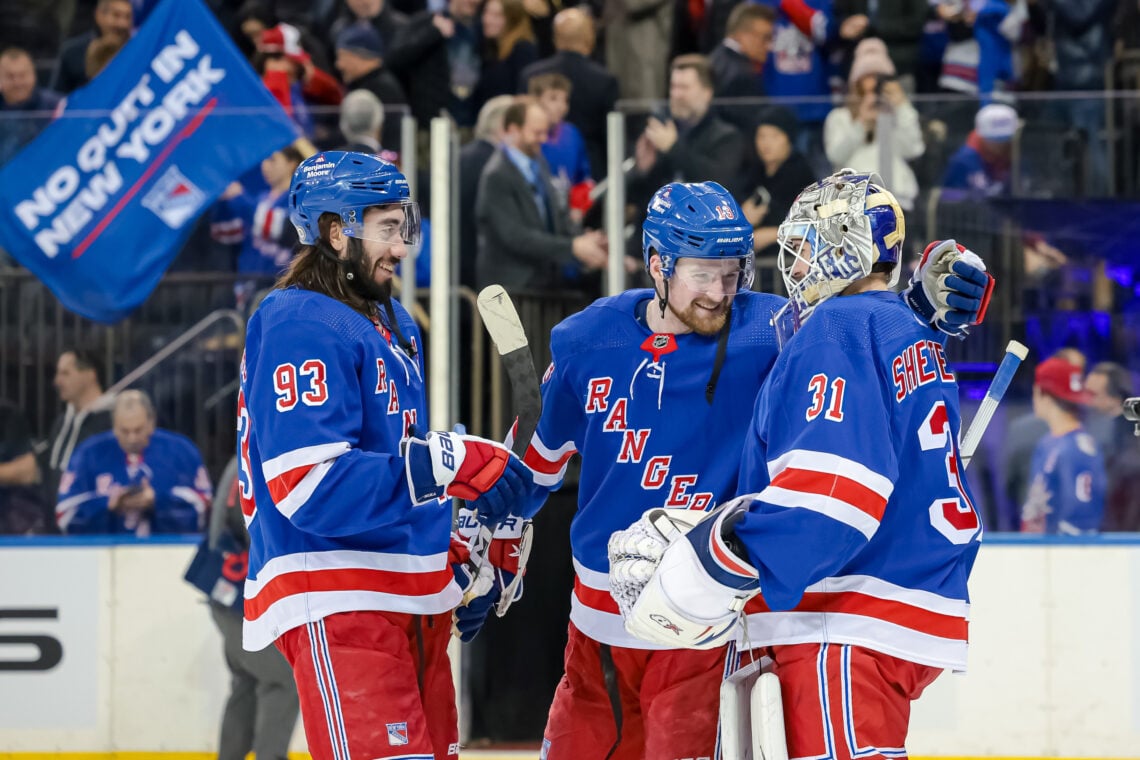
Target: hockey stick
[
  {"x": 503, "y": 325},
  {"x": 1014, "y": 353}
]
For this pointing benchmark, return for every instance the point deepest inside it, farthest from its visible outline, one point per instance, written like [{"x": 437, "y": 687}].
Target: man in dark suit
[
  {"x": 738, "y": 60},
  {"x": 524, "y": 229},
  {"x": 593, "y": 89},
  {"x": 114, "y": 19},
  {"x": 473, "y": 158}
]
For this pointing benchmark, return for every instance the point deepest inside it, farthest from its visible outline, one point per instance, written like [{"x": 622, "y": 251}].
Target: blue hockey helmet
[
  {"x": 699, "y": 220},
  {"x": 347, "y": 184},
  {"x": 837, "y": 230}
]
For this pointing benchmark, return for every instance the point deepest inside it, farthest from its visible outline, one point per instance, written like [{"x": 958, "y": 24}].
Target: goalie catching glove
[
  {"x": 950, "y": 288},
  {"x": 675, "y": 579},
  {"x": 482, "y": 472}
]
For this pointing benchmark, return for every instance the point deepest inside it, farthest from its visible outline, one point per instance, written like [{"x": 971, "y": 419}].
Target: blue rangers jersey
[
  {"x": 1066, "y": 486},
  {"x": 636, "y": 403},
  {"x": 326, "y": 395},
  {"x": 863, "y": 529},
  {"x": 100, "y": 468}
]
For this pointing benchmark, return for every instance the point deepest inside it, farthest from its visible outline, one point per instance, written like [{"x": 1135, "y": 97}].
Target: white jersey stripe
[
  {"x": 323, "y": 649},
  {"x": 302, "y": 457},
  {"x": 832, "y": 464},
  {"x": 293, "y": 611},
  {"x": 322, "y": 688},
  {"x": 824, "y": 505},
  {"x": 300, "y": 493}
]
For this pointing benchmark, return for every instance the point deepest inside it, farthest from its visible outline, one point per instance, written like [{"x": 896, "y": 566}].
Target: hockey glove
[
  {"x": 495, "y": 584},
  {"x": 482, "y": 472},
  {"x": 677, "y": 586},
  {"x": 950, "y": 289}
]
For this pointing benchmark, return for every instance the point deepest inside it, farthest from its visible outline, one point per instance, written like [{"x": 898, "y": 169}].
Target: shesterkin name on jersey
[
  {"x": 632, "y": 449},
  {"x": 916, "y": 365}
]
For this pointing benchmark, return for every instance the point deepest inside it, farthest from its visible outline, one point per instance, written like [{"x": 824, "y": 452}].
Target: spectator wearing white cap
[
  {"x": 877, "y": 130},
  {"x": 982, "y": 165}
]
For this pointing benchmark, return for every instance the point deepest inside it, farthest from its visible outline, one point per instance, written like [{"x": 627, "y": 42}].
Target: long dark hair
[{"x": 317, "y": 268}]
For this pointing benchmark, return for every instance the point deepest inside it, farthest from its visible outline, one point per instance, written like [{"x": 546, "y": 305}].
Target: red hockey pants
[
  {"x": 375, "y": 685},
  {"x": 668, "y": 703},
  {"x": 844, "y": 702}
]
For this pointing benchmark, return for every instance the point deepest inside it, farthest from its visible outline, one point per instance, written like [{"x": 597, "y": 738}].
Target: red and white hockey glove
[
  {"x": 498, "y": 582},
  {"x": 482, "y": 472}
]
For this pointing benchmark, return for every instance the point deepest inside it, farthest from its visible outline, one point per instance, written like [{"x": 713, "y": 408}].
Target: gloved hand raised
[{"x": 950, "y": 288}]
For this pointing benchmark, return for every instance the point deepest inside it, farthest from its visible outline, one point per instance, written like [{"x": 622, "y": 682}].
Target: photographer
[{"x": 877, "y": 130}]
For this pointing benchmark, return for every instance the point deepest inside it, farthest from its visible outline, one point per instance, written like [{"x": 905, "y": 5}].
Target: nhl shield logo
[
  {"x": 724, "y": 211},
  {"x": 397, "y": 734},
  {"x": 174, "y": 199}
]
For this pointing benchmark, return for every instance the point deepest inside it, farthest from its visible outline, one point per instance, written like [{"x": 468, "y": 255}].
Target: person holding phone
[
  {"x": 772, "y": 178},
  {"x": 877, "y": 129}
]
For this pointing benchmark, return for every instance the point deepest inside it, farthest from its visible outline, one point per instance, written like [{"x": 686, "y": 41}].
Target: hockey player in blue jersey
[
  {"x": 134, "y": 479},
  {"x": 1067, "y": 480},
  {"x": 857, "y": 525},
  {"x": 653, "y": 387},
  {"x": 347, "y": 512}
]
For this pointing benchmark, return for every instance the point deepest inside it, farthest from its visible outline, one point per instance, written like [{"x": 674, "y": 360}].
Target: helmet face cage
[
  {"x": 348, "y": 184},
  {"x": 699, "y": 221},
  {"x": 836, "y": 231}
]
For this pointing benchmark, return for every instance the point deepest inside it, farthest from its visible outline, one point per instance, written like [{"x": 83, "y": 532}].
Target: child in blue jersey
[
  {"x": 858, "y": 526},
  {"x": 348, "y": 521},
  {"x": 1067, "y": 478}
]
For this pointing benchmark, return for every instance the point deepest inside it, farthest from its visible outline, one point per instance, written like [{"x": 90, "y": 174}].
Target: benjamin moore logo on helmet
[
  {"x": 322, "y": 168},
  {"x": 660, "y": 202}
]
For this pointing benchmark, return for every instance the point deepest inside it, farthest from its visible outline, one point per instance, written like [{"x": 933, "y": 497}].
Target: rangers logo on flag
[
  {"x": 174, "y": 199},
  {"x": 397, "y": 734}
]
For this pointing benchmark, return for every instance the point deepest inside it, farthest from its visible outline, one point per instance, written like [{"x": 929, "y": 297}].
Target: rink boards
[{"x": 136, "y": 668}]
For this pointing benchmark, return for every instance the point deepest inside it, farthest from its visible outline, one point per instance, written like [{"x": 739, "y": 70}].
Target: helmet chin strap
[{"x": 663, "y": 299}]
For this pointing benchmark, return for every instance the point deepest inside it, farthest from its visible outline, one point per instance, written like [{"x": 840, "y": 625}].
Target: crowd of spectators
[{"x": 925, "y": 92}]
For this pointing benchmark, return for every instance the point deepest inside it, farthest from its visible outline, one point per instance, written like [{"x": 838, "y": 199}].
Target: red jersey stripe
[
  {"x": 282, "y": 485},
  {"x": 346, "y": 579},
  {"x": 537, "y": 462},
  {"x": 834, "y": 486},
  {"x": 595, "y": 598},
  {"x": 854, "y": 603}
]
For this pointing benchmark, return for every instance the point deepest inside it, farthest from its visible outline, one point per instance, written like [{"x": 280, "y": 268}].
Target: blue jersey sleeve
[
  {"x": 81, "y": 509},
  {"x": 305, "y": 403},
  {"x": 560, "y": 428},
  {"x": 831, "y": 465}
]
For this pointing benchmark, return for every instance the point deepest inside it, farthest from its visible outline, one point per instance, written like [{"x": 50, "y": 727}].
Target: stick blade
[{"x": 501, "y": 319}]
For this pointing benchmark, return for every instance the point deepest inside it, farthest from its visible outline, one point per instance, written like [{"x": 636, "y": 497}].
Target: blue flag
[{"x": 101, "y": 202}]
